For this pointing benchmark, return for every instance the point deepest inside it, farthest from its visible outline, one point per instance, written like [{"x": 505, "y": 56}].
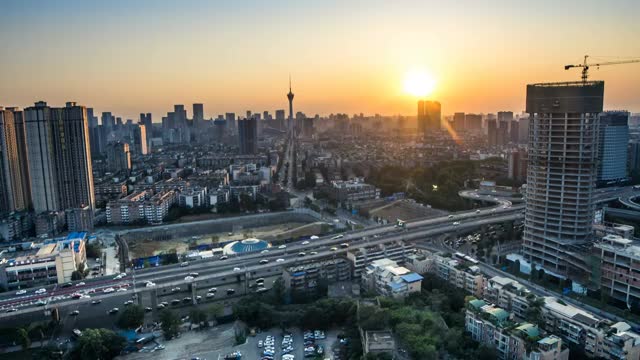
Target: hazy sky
[{"x": 344, "y": 56}]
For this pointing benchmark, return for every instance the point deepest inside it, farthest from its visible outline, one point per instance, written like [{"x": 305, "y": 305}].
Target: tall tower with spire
[{"x": 290, "y": 97}]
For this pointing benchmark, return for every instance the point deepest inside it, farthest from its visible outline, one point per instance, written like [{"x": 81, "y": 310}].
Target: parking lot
[{"x": 297, "y": 343}]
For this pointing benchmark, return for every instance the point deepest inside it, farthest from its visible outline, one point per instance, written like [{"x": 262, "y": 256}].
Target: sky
[{"x": 133, "y": 56}]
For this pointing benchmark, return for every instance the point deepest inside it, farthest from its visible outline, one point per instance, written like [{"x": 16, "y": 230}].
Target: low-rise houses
[
  {"x": 620, "y": 268},
  {"x": 142, "y": 206},
  {"x": 386, "y": 278},
  {"x": 305, "y": 279}
]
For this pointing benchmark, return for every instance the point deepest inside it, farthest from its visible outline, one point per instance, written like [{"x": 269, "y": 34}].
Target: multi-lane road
[{"x": 237, "y": 272}]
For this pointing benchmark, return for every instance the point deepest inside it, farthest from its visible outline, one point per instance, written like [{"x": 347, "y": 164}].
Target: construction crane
[{"x": 585, "y": 66}]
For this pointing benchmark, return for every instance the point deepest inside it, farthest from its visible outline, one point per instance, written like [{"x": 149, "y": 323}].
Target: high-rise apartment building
[
  {"x": 14, "y": 179},
  {"x": 146, "y": 120},
  {"x": 119, "y": 157},
  {"x": 613, "y": 140},
  {"x": 140, "y": 139},
  {"x": 561, "y": 173},
  {"x": 492, "y": 132},
  {"x": 248, "y": 136},
  {"x": 93, "y": 120},
  {"x": 514, "y": 132},
  {"x": 280, "y": 119},
  {"x": 59, "y": 157},
  {"x": 108, "y": 120},
  {"x": 198, "y": 115},
  {"x": 458, "y": 121},
  {"x": 231, "y": 121},
  {"x": 473, "y": 122}
]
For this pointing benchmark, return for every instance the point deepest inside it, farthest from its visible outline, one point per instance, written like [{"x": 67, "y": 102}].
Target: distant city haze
[{"x": 129, "y": 57}]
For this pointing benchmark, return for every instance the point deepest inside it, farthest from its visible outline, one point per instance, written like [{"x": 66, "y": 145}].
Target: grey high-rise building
[
  {"x": 59, "y": 157},
  {"x": 14, "y": 179},
  {"x": 108, "y": 120},
  {"x": 492, "y": 132},
  {"x": 248, "y": 136},
  {"x": 280, "y": 119},
  {"x": 613, "y": 140},
  {"x": 473, "y": 122},
  {"x": 146, "y": 120},
  {"x": 119, "y": 157},
  {"x": 93, "y": 120},
  {"x": 458, "y": 121},
  {"x": 230, "y": 120},
  {"x": 198, "y": 115},
  {"x": 561, "y": 173},
  {"x": 514, "y": 132}
]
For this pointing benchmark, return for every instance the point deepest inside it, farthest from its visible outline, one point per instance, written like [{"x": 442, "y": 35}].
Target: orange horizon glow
[{"x": 145, "y": 56}]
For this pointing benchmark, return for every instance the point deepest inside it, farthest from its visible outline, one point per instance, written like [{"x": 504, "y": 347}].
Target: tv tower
[{"x": 290, "y": 97}]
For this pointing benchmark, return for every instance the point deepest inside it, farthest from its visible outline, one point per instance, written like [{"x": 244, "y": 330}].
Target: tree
[
  {"x": 215, "y": 311},
  {"x": 278, "y": 291},
  {"x": 170, "y": 323},
  {"x": 197, "y": 316},
  {"x": 99, "y": 344},
  {"x": 93, "y": 250},
  {"x": 131, "y": 318},
  {"x": 76, "y": 275},
  {"x": 23, "y": 338}
]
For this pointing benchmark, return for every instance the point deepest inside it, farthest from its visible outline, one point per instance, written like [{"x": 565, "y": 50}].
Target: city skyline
[{"x": 147, "y": 56}]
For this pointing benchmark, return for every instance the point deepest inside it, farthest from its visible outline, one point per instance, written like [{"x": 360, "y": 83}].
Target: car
[
  {"x": 186, "y": 299},
  {"x": 76, "y": 295},
  {"x": 334, "y": 249},
  {"x": 148, "y": 309},
  {"x": 189, "y": 278},
  {"x": 175, "y": 302},
  {"x": 306, "y": 242},
  {"x": 41, "y": 291},
  {"x": 261, "y": 290},
  {"x": 337, "y": 237},
  {"x": 121, "y": 289},
  {"x": 478, "y": 211},
  {"x": 279, "y": 260},
  {"x": 236, "y": 269},
  {"x": 450, "y": 217},
  {"x": 264, "y": 251},
  {"x": 41, "y": 302},
  {"x": 11, "y": 310},
  {"x": 198, "y": 297},
  {"x": 160, "y": 306},
  {"x": 282, "y": 247},
  {"x": 128, "y": 302},
  {"x": 113, "y": 311},
  {"x": 231, "y": 291},
  {"x": 314, "y": 237},
  {"x": 494, "y": 209},
  {"x": 344, "y": 245},
  {"x": 264, "y": 261},
  {"x": 224, "y": 257},
  {"x": 150, "y": 284},
  {"x": 260, "y": 343},
  {"x": 21, "y": 292},
  {"x": 259, "y": 280},
  {"x": 184, "y": 264},
  {"x": 96, "y": 302},
  {"x": 75, "y": 313},
  {"x": 212, "y": 290},
  {"x": 210, "y": 295},
  {"x": 165, "y": 303},
  {"x": 301, "y": 254},
  {"x": 66, "y": 285},
  {"x": 175, "y": 289},
  {"x": 194, "y": 274},
  {"x": 81, "y": 283},
  {"x": 456, "y": 223},
  {"x": 313, "y": 253}
]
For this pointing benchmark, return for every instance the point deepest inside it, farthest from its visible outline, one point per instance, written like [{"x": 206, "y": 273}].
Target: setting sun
[{"x": 419, "y": 83}]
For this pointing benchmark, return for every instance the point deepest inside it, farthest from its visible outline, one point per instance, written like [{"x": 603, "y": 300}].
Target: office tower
[
  {"x": 492, "y": 132},
  {"x": 505, "y": 116},
  {"x": 517, "y": 165},
  {"x": 146, "y": 120},
  {"x": 180, "y": 116},
  {"x": 198, "y": 115},
  {"x": 514, "y": 132},
  {"x": 433, "y": 111},
  {"x": 307, "y": 127},
  {"x": 108, "y": 121},
  {"x": 503, "y": 133},
  {"x": 458, "y": 121},
  {"x": 119, "y": 157},
  {"x": 634, "y": 156},
  {"x": 290, "y": 98},
  {"x": 42, "y": 166},
  {"x": 523, "y": 129},
  {"x": 73, "y": 157},
  {"x": 248, "y": 136},
  {"x": 13, "y": 194},
  {"x": 562, "y": 173},
  {"x": 118, "y": 121},
  {"x": 230, "y": 119},
  {"x": 140, "y": 139},
  {"x": 280, "y": 119},
  {"x": 98, "y": 140},
  {"x": 93, "y": 120},
  {"x": 613, "y": 140},
  {"x": 473, "y": 122},
  {"x": 265, "y": 115}
]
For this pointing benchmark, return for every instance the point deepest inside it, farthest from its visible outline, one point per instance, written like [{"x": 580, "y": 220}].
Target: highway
[{"x": 237, "y": 272}]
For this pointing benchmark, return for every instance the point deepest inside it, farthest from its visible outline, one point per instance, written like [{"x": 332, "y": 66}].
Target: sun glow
[{"x": 419, "y": 83}]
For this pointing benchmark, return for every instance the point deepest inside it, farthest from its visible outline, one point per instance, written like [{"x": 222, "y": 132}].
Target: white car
[
  {"x": 236, "y": 269},
  {"x": 21, "y": 292},
  {"x": 150, "y": 284},
  {"x": 264, "y": 251},
  {"x": 282, "y": 247},
  {"x": 210, "y": 295},
  {"x": 305, "y": 242},
  {"x": 264, "y": 261},
  {"x": 189, "y": 278},
  {"x": 279, "y": 260},
  {"x": 186, "y": 263},
  {"x": 108, "y": 290},
  {"x": 456, "y": 223},
  {"x": 121, "y": 290},
  {"x": 41, "y": 291},
  {"x": 80, "y": 284}
]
